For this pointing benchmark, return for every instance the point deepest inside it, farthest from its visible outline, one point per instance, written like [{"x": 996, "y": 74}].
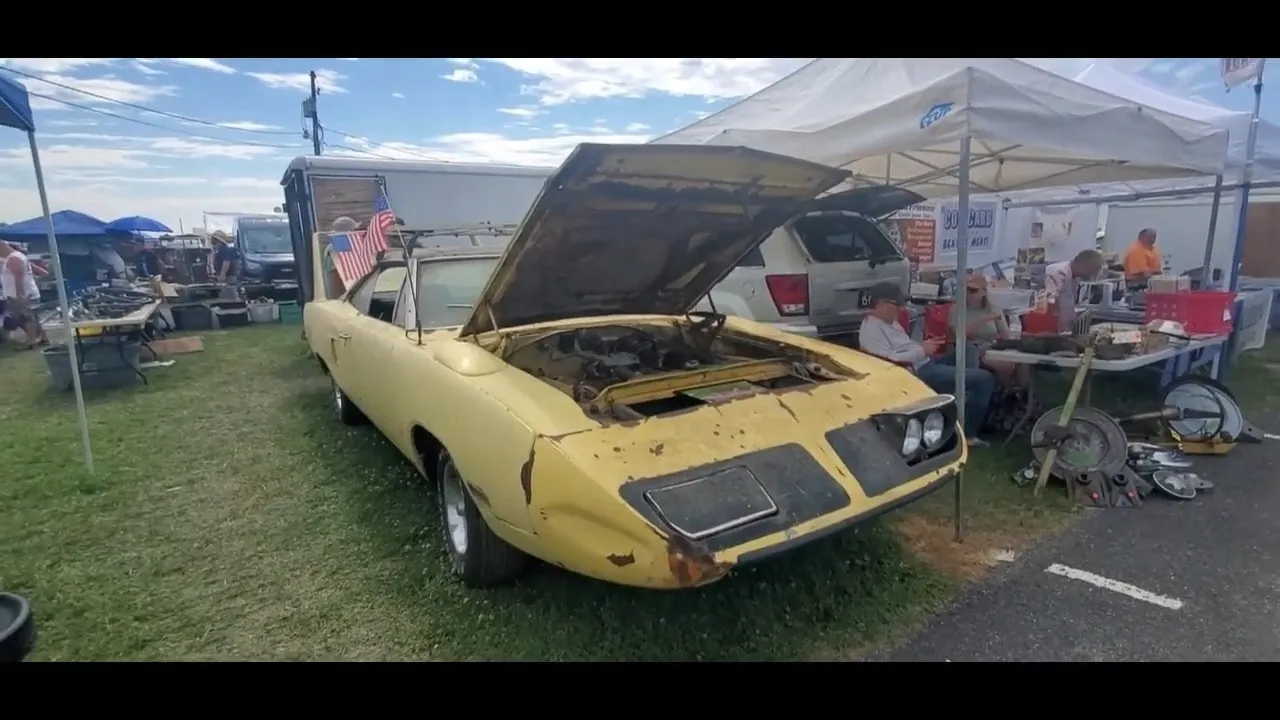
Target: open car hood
[
  {"x": 641, "y": 229},
  {"x": 874, "y": 202}
]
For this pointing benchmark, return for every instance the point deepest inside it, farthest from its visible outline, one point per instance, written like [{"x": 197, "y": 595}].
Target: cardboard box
[{"x": 178, "y": 346}]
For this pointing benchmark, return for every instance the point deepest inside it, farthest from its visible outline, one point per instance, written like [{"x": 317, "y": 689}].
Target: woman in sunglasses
[{"x": 983, "y": 327}]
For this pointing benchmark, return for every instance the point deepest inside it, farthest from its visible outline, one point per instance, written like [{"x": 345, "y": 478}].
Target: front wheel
[
  {"x": 346, "y": 410},
  {"x": 477, "y": 556}
]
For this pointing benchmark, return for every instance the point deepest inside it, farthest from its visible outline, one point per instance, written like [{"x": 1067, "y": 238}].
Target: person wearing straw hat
[{"x": 984, "y": 325}]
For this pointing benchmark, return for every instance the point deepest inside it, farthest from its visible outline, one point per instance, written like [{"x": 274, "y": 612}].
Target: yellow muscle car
[{"x": 572, "y": 407}]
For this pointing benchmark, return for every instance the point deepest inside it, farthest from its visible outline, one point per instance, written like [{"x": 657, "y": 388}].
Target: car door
[{"x": 361, "y": 340}]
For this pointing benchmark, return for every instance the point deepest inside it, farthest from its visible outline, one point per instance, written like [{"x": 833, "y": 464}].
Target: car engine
[{"x": 614, "y": 354}]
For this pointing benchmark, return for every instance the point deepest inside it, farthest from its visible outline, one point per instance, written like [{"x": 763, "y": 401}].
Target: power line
[
  {"x": 143, "y": 108},
  {"x": 350, "y": 136},
  {"x": 166, "y": 128}
]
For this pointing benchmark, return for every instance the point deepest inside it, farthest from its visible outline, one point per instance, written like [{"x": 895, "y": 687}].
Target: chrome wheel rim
[
  {"x": 337, "y": 398},
  {"x": 455, "y": 507}
]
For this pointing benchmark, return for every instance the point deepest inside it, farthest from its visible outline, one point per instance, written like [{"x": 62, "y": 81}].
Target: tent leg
[
  {"x": 962, "y": 340},
  {"x": 1206, "y": 269},
  {"x": 64, "y": 304}
]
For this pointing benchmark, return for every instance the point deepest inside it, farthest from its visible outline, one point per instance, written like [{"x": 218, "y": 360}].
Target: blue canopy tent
[
  {"x": 15, "y": 112},
  {"x": 66, "y": 223}
]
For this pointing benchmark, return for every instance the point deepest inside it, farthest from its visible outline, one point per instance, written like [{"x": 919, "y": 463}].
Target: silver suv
[{"x": 810, "y": 275}]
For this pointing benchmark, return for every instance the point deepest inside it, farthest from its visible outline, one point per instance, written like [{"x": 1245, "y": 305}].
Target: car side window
[
  {"x": 378, "y": 293},
  {"x": 755, "y": 258}
]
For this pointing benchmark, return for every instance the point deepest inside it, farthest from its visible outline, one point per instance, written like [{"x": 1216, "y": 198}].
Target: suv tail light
[{"x": 790, "y": 293}]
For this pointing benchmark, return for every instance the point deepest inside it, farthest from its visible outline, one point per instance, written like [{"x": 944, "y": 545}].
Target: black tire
[
  {"x": 347, "y": 411},
  {"x": 485, "y": 560}
]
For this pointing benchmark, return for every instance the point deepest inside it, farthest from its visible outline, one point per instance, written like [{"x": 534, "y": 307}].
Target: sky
[{"x": 230, "y": 126}]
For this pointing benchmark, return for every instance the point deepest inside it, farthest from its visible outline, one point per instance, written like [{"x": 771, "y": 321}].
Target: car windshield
[
  {"x": 263, "y": 239},
  {"x": 448, "y": 289}
]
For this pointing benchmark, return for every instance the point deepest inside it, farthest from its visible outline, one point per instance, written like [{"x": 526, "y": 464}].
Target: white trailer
[{"x": 425, "y": 195}]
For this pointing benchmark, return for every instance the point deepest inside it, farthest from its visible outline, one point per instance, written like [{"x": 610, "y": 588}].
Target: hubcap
[{"x": 455, "y": 504}]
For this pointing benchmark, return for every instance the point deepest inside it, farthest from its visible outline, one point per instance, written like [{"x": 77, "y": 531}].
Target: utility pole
[{"x": 309, "y": 111}]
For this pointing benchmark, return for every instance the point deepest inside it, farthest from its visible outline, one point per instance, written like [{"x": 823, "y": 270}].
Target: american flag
[{"x": 355, "y": 252}]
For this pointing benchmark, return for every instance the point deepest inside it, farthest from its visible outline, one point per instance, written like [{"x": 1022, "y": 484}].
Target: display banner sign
[{"x": 926, "y": 233}]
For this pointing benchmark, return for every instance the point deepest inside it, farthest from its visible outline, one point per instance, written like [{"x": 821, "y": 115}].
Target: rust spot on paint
[
  {"x": 691, "y": 564},
  {"x": 846, "y": 397},
  {"x": 617, "y": 449},
  {"x": 622, "y": 560},
  {"x": 790, "y": 412},
  {"x": 656, "y": 450},
  {"x": 478, "y": 494},
  {"x": 716, "y": 433},
  {"x": 526, "y": 478}
]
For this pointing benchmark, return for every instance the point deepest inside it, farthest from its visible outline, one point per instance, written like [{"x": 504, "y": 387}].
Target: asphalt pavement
[{"x": 1173, "y": 580}]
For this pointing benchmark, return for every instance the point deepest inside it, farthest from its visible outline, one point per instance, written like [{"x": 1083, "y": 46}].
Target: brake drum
[{"x": 1097, "y": 443}]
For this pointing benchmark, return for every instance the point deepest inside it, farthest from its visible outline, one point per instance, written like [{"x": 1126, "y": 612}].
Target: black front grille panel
[
  {"x": 876, "y": 461},
  {"x": 792, "y": 480}
]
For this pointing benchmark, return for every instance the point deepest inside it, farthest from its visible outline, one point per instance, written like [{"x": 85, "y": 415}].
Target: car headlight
[
  {"x": 252, "y": 267},
  {"x": 922, "y": 428},
  {"x": 934, "y": 430},
  {"x": 912, "y": 436}
]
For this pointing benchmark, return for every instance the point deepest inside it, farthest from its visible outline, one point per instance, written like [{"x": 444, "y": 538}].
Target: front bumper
[{"x": 783, "y": 498}]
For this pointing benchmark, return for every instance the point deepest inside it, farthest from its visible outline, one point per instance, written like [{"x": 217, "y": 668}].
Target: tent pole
[
  {"x": 63, "y": 304},
  {"x": 1205, "y": 272},
  {"x": 962, "y": 341},
  {"x": 1242, "y": 209}
]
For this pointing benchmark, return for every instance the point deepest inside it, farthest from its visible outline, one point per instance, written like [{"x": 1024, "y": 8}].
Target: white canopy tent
[
  {"x": 914, "y": 122},
  {"x": 1107, "y": 78},
  {"x": 901, "y": 121}
]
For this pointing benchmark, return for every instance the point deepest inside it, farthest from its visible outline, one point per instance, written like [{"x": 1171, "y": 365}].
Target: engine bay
[{"x": 586, "y": 363}]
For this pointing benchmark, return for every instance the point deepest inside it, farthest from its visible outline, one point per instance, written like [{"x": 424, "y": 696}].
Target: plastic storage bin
[
  {"x": 192, "y": 318},
  {"x": 289, "y": 312},
  {"x": 1200, "y": 312}
]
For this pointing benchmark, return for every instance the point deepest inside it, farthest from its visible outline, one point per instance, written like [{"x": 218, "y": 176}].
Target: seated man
[{"x": 882, "y": 336}]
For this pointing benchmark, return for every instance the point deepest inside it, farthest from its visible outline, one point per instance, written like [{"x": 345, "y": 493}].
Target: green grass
[{"x": 231, "y": 516}]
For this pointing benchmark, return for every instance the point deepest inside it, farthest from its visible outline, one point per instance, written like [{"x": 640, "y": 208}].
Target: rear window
[{"x": 843, "y": 238}]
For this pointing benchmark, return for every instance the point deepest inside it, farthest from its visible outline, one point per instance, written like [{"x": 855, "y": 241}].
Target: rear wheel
[
  {"x": 347, "y": 411},
  {"x": 478, "y": 556}
]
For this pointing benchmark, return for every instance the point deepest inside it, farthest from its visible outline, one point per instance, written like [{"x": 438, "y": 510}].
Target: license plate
[{"x": 864, "y": 300}]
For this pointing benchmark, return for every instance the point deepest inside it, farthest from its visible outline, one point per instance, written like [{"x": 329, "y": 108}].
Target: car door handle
[{"x": 344, "y": 336}]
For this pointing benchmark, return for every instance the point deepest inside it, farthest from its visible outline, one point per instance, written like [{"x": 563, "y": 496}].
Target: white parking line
[{"x": 1132, "y": 591}]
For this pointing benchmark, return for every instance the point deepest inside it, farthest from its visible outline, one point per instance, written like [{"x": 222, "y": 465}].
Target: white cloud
[
  {"x": 254, "y": 183},
  {"x": 349, "y": 59},
  {"x": 480, "y": 147},
  {"x": 327, "y": 80},
  {"x": 145, "y": 68},
  {"x": 461, "y": 61},
  {"x": 462, "y": 75},
  {"x": 247, "y": 125},
  {"x": 54, "y": 65},
  {"x": 398, "y": 96},
  {"x": 563, "y": 80},
  {"x": 636, "y": 127},
  {"x": 204, "y": 64},
  {"x": 522, "y": 112},
  {"x": 112, "y": 88}
]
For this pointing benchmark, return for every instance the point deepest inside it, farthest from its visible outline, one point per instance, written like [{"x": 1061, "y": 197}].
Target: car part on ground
[
  {"x": 17, "y": 628},
  {"x": 1175, "y": 485}
]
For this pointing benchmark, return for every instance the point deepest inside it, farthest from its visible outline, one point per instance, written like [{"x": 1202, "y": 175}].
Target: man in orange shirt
[{"x": 1142, "y": 260}]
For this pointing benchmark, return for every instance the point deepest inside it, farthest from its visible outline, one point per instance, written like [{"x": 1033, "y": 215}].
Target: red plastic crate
[
  {"x": 1040, "y": 323},
  {"x": 1201, "y": 312}
]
